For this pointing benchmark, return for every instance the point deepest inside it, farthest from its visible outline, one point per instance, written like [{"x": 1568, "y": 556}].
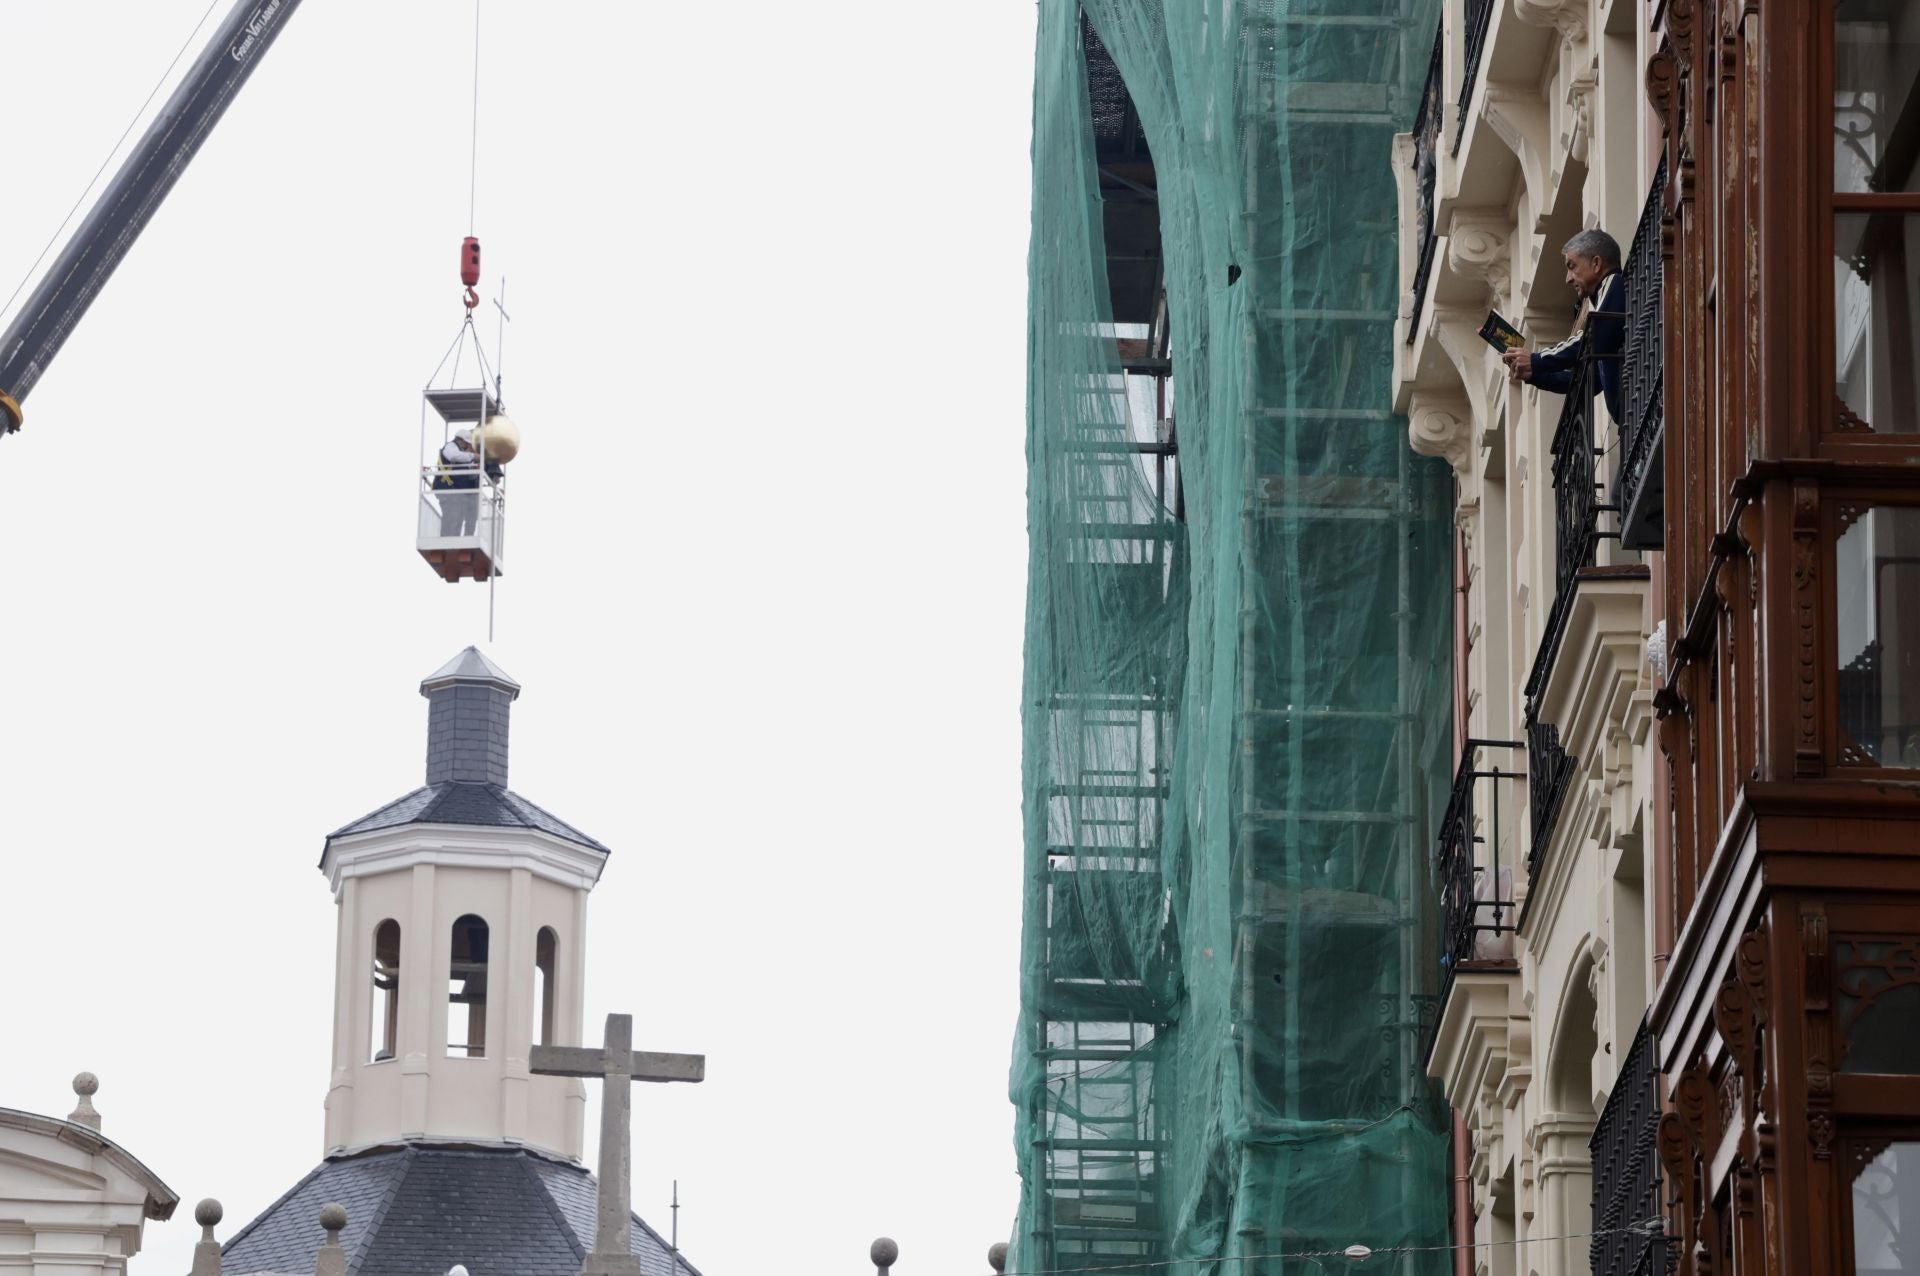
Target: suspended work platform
[{"x": 463, "y": 495}]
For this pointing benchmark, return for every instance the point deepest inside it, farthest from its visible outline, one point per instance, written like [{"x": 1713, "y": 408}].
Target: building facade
[{"x": 1678, "y": 869}]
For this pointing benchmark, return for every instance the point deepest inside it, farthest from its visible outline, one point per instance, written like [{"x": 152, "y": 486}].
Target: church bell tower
[{"x": 462, "y": 927}]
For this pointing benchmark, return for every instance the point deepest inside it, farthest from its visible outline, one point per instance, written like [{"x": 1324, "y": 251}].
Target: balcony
[
  {"x": 1626, "y": 1171},
  {"x": 1476, "y": 887},
  {"x": 1639, "y": 488},
  {"x": 1576, "y": 510},
  {"x": 1478, "y": 15},
  {"x": 1426, "y": 167}
]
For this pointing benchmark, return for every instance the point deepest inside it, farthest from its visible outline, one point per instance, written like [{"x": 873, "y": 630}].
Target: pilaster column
[{"x": 1563, "y": 1172}]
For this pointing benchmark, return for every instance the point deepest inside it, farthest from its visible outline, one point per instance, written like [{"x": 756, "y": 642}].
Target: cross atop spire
[{"x": 616, "y": 1063}]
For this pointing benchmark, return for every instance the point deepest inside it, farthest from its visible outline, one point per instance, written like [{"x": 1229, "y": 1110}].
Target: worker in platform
[
  {"x": 1593, "y": 272},
  {"x": 457, "y": 484}
]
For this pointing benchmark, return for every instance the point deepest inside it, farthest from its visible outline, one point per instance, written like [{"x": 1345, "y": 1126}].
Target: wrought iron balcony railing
[
  {"x": 1626, "y": 1171},
  {"x": 1476, "y": 888},
  {"x": 1576, "y": 514},
  {"x": 1426, "y": 162},
  {"x": 1639, "y": 488},
  {"x": 1549, "y": 770},
  {"x": 1474, "y": 43}
]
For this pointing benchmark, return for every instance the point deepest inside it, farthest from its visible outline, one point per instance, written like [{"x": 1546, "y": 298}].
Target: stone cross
[{"x": 616, "y": 1063}]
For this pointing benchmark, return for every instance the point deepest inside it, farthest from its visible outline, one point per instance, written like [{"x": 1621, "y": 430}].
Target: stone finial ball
[
  {"x": 86, "y": 1084},
  {"x": 499, "y": 438},
  {"x": 333, "y": 1216},
  {"x": 458, "y": 1269},
  {"x": 884, "y": 1252},
  {"x": 997, "y": 1256},
  {"x": 208, "y": 1213}
]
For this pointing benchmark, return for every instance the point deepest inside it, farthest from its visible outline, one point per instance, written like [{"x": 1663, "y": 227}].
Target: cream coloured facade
[
  {"x": 1535, "y": 127},
  {"x": 72, "y": 1202},
  {"x": 424, "y": 879}
]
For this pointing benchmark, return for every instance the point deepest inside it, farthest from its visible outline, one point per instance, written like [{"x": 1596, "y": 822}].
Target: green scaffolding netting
[{"x": 1236, "y": 702}]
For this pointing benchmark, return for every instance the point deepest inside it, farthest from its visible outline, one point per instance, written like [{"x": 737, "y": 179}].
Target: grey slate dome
[
  {"x": 469, "y": 700},
  {"x": 417, "y": 1209}
]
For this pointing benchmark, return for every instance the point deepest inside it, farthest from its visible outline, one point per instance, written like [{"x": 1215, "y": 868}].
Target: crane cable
[{"x": 473, "y": 128}]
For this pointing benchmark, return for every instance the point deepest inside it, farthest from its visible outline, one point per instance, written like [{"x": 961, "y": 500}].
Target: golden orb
[{"x": 499, "y": 439}]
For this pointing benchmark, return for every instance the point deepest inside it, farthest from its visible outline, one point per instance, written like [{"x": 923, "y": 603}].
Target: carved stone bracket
[
  {"x": 1568, "y": 17},
  {"x": 1520, "y": 120},
  {"x": 1442, "y": 425},
  {"x": 1479, "y": 246}
]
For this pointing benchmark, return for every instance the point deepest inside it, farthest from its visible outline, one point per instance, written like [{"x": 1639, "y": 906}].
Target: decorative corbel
[
  {"x": 1479, "y": 247},
  {"x": 1579, "y": 131},
  {"x": 1442, "y": 425},
  {"x": 1568, "y": 17},
  {"x": 1519, "y": 119}
]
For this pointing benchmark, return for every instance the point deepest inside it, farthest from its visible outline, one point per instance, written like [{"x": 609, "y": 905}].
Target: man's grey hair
[{"x": 1595, "y": 243}]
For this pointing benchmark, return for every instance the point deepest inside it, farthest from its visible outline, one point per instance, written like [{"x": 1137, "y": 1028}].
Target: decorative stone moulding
[
  {"x": 1520, "y": 119},
  {"x": 1442, "y": 426},
  {"x": 1479, "y": 247}
]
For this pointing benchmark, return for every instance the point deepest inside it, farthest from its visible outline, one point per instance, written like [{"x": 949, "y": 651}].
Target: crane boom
[{"x": 86, "y": 263}]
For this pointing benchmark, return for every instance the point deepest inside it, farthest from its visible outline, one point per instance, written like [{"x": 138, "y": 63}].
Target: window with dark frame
[
  {"x": 467, "y": 990},
  {"x": 1876, "y": 216},
  {"x": 384, "y": 1036}
]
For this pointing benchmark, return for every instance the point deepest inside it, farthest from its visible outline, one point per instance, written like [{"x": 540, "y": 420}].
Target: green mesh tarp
[{"x": 1236, "y": 703}]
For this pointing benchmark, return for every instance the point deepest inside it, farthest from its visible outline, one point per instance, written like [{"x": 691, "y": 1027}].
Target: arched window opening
[
  {"x": 545, "y": 957},
  {"x": 467, "y": 990},
  {"x": 385, "y": 1037}
]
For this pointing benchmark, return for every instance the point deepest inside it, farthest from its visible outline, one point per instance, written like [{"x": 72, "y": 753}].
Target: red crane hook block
[{"x": 470, "y": 268}]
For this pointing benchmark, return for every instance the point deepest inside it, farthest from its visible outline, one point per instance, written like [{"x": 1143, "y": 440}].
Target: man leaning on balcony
[{"x": 1593, "y": 272}]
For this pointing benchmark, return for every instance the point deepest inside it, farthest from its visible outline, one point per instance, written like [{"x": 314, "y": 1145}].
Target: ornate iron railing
[
  {"x": 1426, "y": 163},
  {"x": 1549, "y": 770},
  {"x": 1576, "y": 515},
  {"x": 1638, "y": 489},
  {"x": 1474, "y": 36},
  {"x": 1626, "y": 1170},
  {"x": 1476, "y": 891}
]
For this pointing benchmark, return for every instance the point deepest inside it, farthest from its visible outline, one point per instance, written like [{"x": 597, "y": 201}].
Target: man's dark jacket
[{"x": 1556, "y": 367}]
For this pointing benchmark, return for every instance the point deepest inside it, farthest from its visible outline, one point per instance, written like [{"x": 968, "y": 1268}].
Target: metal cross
[{"x": 615, "y": 1063}]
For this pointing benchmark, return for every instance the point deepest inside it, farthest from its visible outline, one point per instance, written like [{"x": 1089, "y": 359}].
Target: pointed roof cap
[{"x": 470, "y": 667}]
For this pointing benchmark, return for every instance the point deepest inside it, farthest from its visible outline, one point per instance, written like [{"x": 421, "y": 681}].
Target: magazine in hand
[{"x": 1500, "y": 334}]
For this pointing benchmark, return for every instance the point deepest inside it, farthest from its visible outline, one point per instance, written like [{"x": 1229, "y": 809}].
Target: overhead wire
[
  {"x": 124, "y": 134},
  {"x": 1651, "y": 1227}
]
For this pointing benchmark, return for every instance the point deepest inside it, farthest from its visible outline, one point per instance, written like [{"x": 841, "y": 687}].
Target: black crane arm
[{"x": 130, "y": 200}]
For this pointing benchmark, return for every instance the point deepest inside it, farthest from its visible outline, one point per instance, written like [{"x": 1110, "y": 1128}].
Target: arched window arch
[
  {"x": 546, "y": 966},
  {"x": 384, "y": 1039},
  {"x": 467, "y": 990}
]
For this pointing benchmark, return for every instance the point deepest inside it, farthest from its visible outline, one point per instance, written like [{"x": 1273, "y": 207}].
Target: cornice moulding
[{"x": 461, "y": 846}]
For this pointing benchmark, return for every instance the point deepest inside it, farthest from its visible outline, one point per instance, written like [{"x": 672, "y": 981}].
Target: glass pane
[
  {"x": 1877, "y": 580},
  {"x": 1876, "y": 321},
  {"x": 1886, "y": 1193},
  {"x": 1876, "y": 122}
]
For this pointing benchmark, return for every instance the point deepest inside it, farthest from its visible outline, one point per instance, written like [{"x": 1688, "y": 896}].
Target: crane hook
[{"x": 470, "y": 269}]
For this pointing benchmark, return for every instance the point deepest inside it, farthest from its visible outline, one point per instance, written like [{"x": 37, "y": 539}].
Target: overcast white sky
[{"x": 767, "y": 546}]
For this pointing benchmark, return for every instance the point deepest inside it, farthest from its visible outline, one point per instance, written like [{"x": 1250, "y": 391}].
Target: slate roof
[
  {"x": 417, "y": 1209},
  {"x": 454, "y": 803}
]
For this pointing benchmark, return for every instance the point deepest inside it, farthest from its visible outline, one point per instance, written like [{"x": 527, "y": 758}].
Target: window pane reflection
[
  {"x": 1877, "y": 580},
  {"x": 1876, "y": 126},
  {"x": 1876, "y": 321},
  {"x": 1886, "y": 1193}
]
